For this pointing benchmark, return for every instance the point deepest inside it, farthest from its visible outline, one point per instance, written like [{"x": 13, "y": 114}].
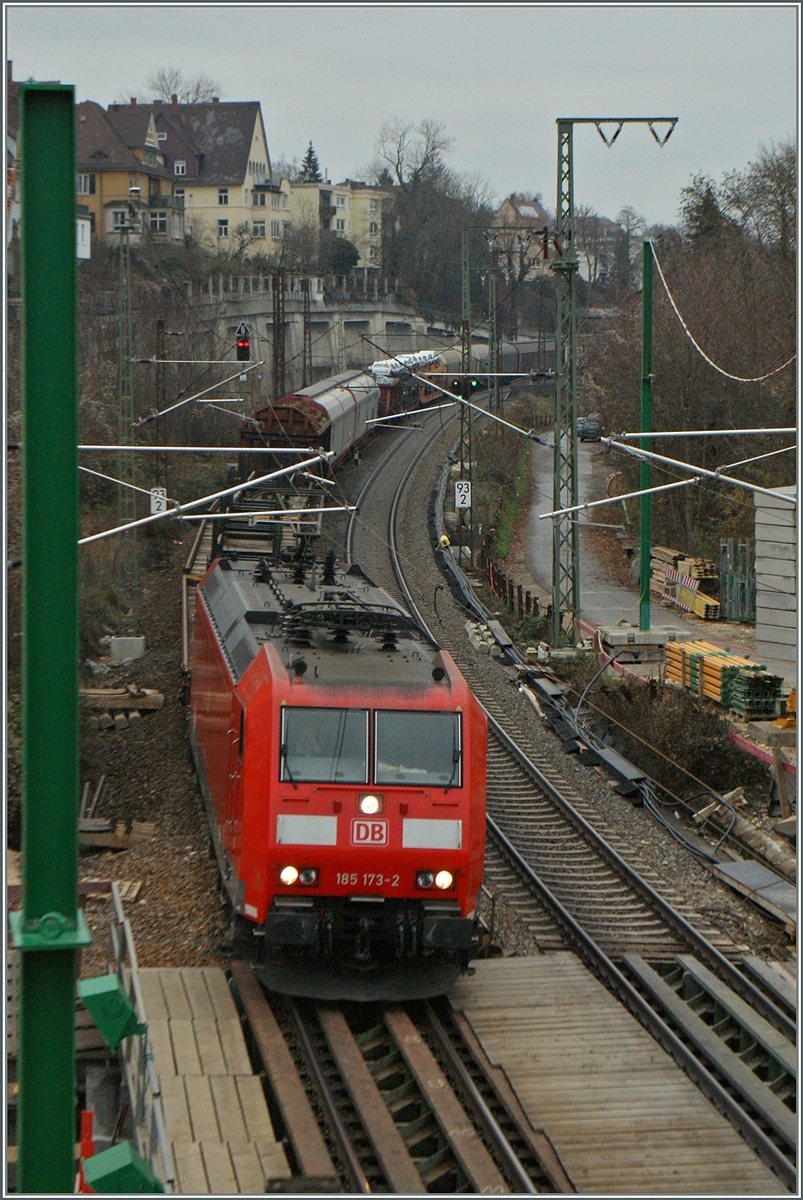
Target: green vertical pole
[
  {"x": 50, "y": 927},
  {"x": 646, "y": 426}
]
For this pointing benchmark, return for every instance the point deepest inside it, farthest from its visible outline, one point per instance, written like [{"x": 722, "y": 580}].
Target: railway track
[
  {"x": 372, "y": 1094},
  {"x": 400, "y": 1098},
  {"x": 575, "y": 889}
]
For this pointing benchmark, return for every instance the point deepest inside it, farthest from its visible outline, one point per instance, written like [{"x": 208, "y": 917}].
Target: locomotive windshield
[
  {"x": 418, "y": 748},
  {"x": 324, "y": 745}
]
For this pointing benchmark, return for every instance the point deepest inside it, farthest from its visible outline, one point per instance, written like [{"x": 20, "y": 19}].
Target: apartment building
[
  {"x": 121, "y": 174},
  {"x": 218, "y": 157},
  {"x": 351, "y": 209}
]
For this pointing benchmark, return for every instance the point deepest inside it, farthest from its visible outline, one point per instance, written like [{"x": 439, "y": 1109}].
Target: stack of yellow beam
[
  {"x": 739, "y": 684},
  {"x": 686, "y": 661}
]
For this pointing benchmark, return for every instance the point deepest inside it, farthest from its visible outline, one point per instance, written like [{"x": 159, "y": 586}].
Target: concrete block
[
  {"x": 766, "y": 598},
  {"x": 770, "y": 735},
  {"x": 776, "y": 549},
  {"x": 775, "y": 583},
  {"x": 776, "y": 617},
  {"x": 121, "y": 649},
  {"x": 120, "y": 721},
  {"x": 105, "y": 721},
  {"x": 763, "y": 501},
  {"x": 777, "y": 634},
  {"x": 134, "y": 717}
]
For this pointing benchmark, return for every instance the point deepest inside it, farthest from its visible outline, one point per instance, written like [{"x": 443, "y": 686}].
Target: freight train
[
  {"x": 341, "y": 757},
  {"x": 336, "y": 414}
]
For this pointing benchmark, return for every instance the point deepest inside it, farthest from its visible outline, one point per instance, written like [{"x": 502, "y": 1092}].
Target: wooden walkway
[
  {"x": 216, "y": 1117},
  {"x": 620, "y": 1113}
]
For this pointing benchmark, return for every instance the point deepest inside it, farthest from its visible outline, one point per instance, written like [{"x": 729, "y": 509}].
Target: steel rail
[
  {"x": 735, "y": 979},
  {"x": 592, "y": 953},
  {"x": 345, "y": 1145},
  {"x": 492, "y": 1128},
  {"x": 603, "y": 967}
]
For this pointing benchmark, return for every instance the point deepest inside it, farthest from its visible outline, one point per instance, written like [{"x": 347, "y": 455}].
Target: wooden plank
[
  {"x": 195, "y": 987},
  {"x": 220, "y": 994},
  {"x": 459, "y": 1131},
  {"x": 297, "y": 1116},
  {"x": 227, "y": 1109},
  {"x": 779, "y": 1047},
  {"x": 247, "y": 1168},
  {"x": 539, "y": 1142},
  {"x": 210, "y": 1051},
  {"x": 775, "y": 977},
  {"x": 178, "y": 1006},
  {"x": 274, "y": 1161},
  {"x": 219, "y": 1169},
  {"x": 379, "y": 1124},
  {"x": 734, "y": 1070},
  {"x": 202, "y": 1109},
  {"x": 259, "y": 1127},
  {"x": 161, "y": 1047},
  {"x": 190, "y": 1170},
  {"x": 185, "y": 1051},
  {"x": 176, "y": 1110},
  {"x": 235, "y": 1052}
]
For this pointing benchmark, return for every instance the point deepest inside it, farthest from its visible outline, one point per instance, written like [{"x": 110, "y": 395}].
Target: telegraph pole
[
  {"x": 493, "y": 341},
  {"x": 565, "y": 490}
]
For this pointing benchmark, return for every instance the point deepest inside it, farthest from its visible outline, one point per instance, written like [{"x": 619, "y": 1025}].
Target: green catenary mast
[{"x": 50, "y": 926}]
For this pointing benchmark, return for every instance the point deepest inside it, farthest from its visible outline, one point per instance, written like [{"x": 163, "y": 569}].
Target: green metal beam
[
  {"x": 646, "y": 426},
  {"x": 50, "y": 927}
]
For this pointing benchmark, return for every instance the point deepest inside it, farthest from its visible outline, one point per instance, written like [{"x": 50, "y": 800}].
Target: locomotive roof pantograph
[{"x": 327, "y": 616}]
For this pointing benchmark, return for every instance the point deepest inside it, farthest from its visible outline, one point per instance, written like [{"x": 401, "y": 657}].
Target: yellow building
[
  {"x": 122, "y": 178},
  {"x": 350, "y": 209},
  {"x": 218, "y": 157}
]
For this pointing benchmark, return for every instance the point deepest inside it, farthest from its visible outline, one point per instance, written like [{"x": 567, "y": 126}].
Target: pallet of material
[{"x": 745, "y": 687}]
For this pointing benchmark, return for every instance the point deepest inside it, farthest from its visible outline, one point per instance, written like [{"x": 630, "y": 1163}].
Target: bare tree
[
  {"x": 411, "y": 153},
  {"x": 166, "y": 82}
]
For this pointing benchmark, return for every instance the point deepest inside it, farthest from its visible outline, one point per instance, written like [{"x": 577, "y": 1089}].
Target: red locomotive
[{"x": 341, "y": 756}]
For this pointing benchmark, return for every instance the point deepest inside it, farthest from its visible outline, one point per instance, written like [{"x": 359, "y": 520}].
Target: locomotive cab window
[
  {"x": 418, "y": 748},
  {"x": 324, "y": 745}
]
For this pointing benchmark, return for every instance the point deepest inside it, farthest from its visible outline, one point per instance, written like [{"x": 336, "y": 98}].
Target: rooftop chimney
[
  {"x": 216, "y": 99},
  {"x": 174, "y": 102},
  {"x": 9, "y": 71},
  {"x": 133, "y": 102}
]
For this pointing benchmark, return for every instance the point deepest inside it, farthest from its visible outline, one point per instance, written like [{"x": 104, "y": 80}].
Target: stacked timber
[
  {"x": 676, "y": 577},
  {"x": 745, "y": 687}
]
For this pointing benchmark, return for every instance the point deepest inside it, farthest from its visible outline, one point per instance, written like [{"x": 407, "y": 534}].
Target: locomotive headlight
[
  {"x": 308, "y": 876},
  {"x": 424, "y": 879},
  {"x": 444, "y": 880},
  {"x": 370, "y": 804},
  {"x": 288, "y": 876}
]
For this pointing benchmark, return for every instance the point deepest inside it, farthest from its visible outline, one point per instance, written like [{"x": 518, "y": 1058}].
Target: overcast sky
[{"x": 497, "y": 75}]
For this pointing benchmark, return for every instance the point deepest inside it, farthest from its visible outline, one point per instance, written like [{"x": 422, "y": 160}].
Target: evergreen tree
[{"x": 310, "y": 170}]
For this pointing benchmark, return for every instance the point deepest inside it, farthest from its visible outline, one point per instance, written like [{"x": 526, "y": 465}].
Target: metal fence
[
  {"x": 140, "y": 1075},
  {"x": 737, "y": 580}
]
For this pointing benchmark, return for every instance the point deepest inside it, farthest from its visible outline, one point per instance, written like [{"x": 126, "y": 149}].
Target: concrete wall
[{"x": 776, "y": 578}]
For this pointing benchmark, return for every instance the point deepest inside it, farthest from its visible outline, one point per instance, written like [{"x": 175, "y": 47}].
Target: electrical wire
[{"x": 698, "y": 347}]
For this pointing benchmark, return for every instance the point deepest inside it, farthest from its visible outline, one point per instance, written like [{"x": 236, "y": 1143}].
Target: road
[{"x": 604, "y": 601}]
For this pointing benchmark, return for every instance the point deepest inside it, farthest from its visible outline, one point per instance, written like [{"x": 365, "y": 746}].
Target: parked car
[{"x": 589, "y": 429}]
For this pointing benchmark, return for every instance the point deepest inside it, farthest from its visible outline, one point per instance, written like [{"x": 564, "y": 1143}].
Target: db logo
[{"x": 369, "y": 833}]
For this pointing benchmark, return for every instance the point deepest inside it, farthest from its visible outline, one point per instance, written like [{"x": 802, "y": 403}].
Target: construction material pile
[
  {"x": 677, "y": 578},
  {"x": 745, "y": 687}
]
